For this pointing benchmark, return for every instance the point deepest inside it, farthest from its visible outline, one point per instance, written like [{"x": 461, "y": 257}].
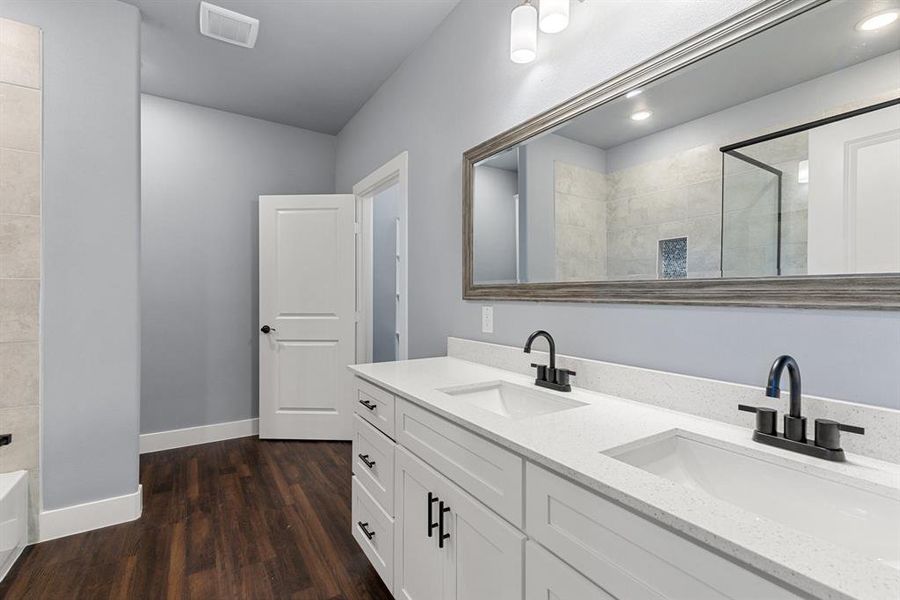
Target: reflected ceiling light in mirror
[
  {"x": 878, "y": 20},
  {"x": 634, "y": 93},
  {"x": 554, "y": 15},
  {"x": 641, "y": 115},
  {"x": 523, "y": 33},
  {"x": 803, "y": 172}
]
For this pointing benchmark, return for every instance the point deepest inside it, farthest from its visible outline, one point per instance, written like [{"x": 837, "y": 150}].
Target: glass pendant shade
[
  {"x": 554, "y": 16},
  {"x": 523, "y": 33}
]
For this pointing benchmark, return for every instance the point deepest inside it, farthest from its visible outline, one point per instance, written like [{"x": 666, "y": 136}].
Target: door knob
[{"x": 266, "y": 329}]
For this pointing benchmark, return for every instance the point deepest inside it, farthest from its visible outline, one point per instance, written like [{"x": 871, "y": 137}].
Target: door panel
[
  {"x": 420, "y": 564},
  {"x": 307, "y": 287},
  {"x": 486, "y": 553},
  {"x": 854, "y": 216},
  {"x": 548, "y": 577}
]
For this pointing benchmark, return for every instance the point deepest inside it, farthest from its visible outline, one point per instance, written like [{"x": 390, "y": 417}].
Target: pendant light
[
  {"x": 523, "y": 33},
  {"x": 554, "y": 15}
]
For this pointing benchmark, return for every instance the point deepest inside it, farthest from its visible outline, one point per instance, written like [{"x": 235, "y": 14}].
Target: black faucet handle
[
  {"x": 541, "y": 371},
  {"x": 561, "y": 376},
  {"x": 828, "y": 433},
  {"x": 766, "y": 418},
  {"x": 852, "y": 429}
]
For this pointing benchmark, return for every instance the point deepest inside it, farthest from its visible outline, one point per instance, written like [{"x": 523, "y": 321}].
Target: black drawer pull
[
  {"x": 368, "y": 404},
  {"x": 364, "y": 527},
  {"x": 366, "y": 461},
  {"x": 431, "y": 525},
  {"x": 443, "y": 536}
]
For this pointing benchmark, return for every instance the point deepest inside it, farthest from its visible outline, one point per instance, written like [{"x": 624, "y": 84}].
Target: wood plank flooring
[{"x": 244, "y": 518}]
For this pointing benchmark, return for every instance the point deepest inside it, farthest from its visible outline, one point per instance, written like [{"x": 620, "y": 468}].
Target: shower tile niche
[{"x": 673, "y": 258}]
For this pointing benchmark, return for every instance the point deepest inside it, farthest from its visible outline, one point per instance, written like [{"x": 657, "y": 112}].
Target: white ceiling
[
  {"x": 315, "y": 63},
  {"x": 809, "y": 46}
]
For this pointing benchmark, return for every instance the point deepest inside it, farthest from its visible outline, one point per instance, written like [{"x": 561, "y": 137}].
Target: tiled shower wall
[
  {"x": 672, "y": 197},
  {"x": 608, "y": 226},
  {"x": 580, "y": 213},
  {"x": 20, "y": 250}
]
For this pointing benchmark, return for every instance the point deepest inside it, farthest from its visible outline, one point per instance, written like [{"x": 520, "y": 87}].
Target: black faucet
[
  {"x": 794, "y": 423},
  {"x": 827, "y": 444},
  {"x": 549, "y": 376}
]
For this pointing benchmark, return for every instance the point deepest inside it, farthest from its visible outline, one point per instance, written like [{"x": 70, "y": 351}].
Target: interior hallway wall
[
  {"x": 90, "y": 316},
  {"x": 460, "y": 88},
  {"x": 385, "y": 212},
  {"x": 203, "y": 171}
]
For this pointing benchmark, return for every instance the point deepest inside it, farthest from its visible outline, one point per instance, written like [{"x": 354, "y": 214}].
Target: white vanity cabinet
[
  {"x": 548, "y": 577},
  {"x": 451, "y": 515},
  {"x": 447, "y": 545}
]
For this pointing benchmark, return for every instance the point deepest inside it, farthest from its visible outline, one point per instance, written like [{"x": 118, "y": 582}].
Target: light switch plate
[{"x": 487, "y": 319}]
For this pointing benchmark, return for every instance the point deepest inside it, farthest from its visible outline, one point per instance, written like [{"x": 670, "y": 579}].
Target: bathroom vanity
[{"x": 470, "y": 482}]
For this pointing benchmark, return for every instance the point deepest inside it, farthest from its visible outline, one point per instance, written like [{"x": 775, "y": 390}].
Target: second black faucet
[{"x": 549, "y": 376}]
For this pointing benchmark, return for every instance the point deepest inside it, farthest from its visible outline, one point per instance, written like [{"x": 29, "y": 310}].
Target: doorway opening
[{"x": 382, "y": 284}]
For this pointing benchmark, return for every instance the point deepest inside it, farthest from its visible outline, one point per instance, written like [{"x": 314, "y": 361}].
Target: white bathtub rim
[{"x": 9, "y": 479}]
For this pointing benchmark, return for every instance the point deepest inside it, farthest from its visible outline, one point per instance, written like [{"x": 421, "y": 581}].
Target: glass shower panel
[{"x": 751, "y": 217}]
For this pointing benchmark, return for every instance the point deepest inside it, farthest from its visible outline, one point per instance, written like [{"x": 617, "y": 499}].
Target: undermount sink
[
  {"x": 857, "y": 519},
  {"x": 510, "y": 400}
]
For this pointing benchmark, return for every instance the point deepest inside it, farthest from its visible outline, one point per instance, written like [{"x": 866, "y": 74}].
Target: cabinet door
[
  {"x": 419, "y": 563},
  {"x": 485, "y": 554},
  {"x": 548, "y": 577}
]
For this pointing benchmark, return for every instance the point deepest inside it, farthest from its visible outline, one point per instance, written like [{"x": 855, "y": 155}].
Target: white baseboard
[
  {"x": 90, "y": 515},
  {"x": 190, "y": 436}
]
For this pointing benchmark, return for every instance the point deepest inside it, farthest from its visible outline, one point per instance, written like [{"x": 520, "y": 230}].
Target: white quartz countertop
[{"x": 571, "y": 443}]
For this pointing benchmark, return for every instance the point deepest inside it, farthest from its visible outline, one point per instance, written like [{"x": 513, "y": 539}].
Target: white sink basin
[
  {"x": 510, "y": 400},
  {"x": 857, "y": 519}
]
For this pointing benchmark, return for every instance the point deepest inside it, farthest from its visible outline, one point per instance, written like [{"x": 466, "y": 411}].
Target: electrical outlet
[{"x": 487, "y": 319}]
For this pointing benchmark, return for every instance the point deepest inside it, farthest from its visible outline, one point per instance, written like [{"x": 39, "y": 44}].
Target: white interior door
[
  {"x": 854, "y": 187},
  {"x": 307, "y": 316}
]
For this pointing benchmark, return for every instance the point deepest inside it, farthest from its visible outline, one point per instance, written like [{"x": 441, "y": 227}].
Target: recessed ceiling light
[
  {"x": 878, "y": 20},
  {"x": 634, "y": 93},
  {"x": 641, "y": 115}
]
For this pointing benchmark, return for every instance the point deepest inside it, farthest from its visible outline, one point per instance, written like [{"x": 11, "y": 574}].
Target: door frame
[{"x": 395, "y": 171}]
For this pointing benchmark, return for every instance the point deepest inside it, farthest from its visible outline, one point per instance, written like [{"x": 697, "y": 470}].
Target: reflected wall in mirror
[{"x": 775, "y": 156}]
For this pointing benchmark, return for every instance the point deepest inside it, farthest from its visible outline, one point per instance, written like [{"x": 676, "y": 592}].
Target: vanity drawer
[
  {"x": 375, "y": 405},
  {"x": 378, "y": 543},
  {"x": 627, "y": 555},
  {"x": 373, "y": 463},
  {"x": 488, "y": 472}
]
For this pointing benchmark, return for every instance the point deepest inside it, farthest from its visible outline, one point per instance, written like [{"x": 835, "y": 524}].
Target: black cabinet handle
[
  {"x": 364, "y": 527},
  {"x": 366, "y": 461},
  {"x": 431, "y": 525},
  {"x": 368, "y": 404},
  {"x": 266, "y": 329},
  {"x": 443, "y": 536}
]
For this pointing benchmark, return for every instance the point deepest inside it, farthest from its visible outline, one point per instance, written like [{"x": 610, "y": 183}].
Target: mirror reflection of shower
[{"x": 819, "y": 198}]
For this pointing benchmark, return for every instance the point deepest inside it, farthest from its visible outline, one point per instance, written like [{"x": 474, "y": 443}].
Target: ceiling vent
[{"x": 228, "y": 26}]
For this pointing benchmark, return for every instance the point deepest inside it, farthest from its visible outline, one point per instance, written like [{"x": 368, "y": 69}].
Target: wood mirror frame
[{"x": 864, "y": 291}]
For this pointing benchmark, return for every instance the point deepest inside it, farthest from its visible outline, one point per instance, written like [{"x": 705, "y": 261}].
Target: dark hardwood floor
[{"x": 237, "y": 519}]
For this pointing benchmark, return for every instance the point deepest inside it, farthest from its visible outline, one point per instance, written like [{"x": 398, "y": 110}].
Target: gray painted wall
[
  {"x": 90, "y": 319},
  {"x": 494, "y": 227},
  {"x": 203, "y": 171},
  {"x": 385, "y": 212},
  {"x": 460, "y": 88}
]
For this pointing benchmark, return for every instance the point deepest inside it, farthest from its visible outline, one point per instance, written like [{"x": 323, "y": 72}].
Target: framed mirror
[{"x": 756, "y": 164}]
